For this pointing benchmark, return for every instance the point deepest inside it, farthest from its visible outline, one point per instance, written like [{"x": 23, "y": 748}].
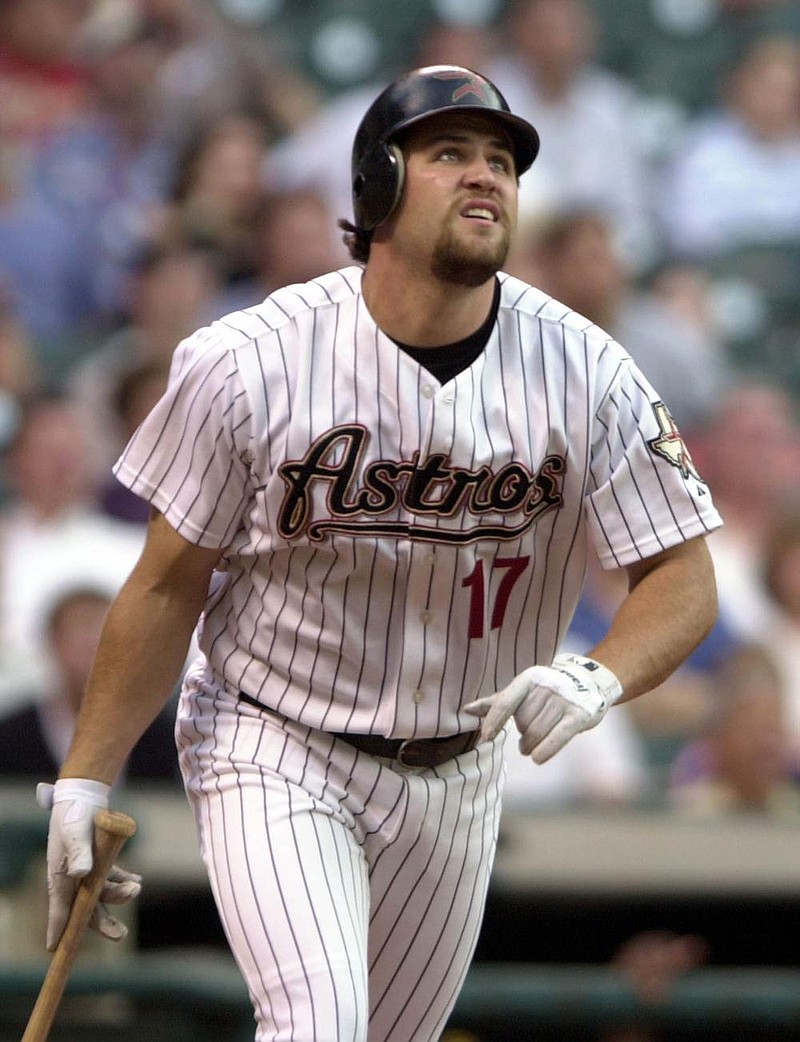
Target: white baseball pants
[{"x": 351, "y": 891}]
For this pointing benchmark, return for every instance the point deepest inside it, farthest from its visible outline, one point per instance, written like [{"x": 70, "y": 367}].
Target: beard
[{"x": 470, "y": 265}]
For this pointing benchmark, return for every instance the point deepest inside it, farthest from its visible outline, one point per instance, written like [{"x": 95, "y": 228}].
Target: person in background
[
  {"x": 547, "y": 66},
  {"x": 172, "y": 288},
  {"x": 747, "y": 759},
  {"x": 780, "y": 635},
  {"x": 579, "y": 263},
  {"x": 218, "y": 192},
  {"x": 42, "y": 82},
  {"x": 137, "y": 391},
  {"x": 35, "y": 738},
  {"x": 733, "y": 181},
  {"x": 52, "y": 536},
  {"x": 750, "y": 451},
  {"x": 299, "y": 217}
]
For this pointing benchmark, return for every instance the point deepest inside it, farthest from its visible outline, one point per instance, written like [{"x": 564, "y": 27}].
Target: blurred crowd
[{"x": 163, "y": 162}]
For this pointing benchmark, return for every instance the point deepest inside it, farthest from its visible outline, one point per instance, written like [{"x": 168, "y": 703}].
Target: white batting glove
[
  {"x": 550, "y": 704},
  {"x": 73, "y": 803}
]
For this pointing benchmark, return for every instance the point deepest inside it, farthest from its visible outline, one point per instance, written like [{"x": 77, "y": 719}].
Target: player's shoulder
[
  {"x": 283, "y": 307},
  {"x": 238, "y": 330},
  {"x": 535, "y": 307},
  {"x": 286, "y": 304},
  {"x": 227, "y": 341}
]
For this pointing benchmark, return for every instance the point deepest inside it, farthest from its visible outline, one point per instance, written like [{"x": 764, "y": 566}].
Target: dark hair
[
  {"x": 356, "y": 240},
  {"x": 129, "y": 382}
]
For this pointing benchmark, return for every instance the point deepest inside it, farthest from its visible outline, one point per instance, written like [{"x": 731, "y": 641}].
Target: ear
[{"x": 377, "y": 184}]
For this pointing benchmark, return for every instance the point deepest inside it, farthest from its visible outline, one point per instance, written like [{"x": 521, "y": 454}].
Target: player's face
[{"x": 459, "y": 203}]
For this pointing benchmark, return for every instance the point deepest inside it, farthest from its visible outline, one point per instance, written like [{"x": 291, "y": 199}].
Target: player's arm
[
  {"x": 139, "y": 659},
  {"x": 141, "y": 652},
  {"x": 670, "y": 607}
]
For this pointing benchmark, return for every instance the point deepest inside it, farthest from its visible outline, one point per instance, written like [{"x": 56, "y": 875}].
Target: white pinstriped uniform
[{"x": 396, "y": 549}]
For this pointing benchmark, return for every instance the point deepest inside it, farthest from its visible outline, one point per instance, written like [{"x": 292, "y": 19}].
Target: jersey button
[
  {"x": 424, "y": 617},
  {"x": 418, "y": 696},
  {"x": 427, "y": 391}
]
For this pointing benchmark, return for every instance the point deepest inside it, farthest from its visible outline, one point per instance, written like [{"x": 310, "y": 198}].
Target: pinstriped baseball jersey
[{"x": 391, "y": 542}]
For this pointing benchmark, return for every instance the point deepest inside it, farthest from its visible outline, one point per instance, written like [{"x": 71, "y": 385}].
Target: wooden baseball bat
[{"x": 111, "y": 830}]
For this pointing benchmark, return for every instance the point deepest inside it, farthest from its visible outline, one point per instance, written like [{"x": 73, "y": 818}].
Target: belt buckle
[{"x": 400, "y": 758}]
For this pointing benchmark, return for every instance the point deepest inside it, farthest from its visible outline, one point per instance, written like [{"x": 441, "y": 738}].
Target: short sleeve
[
  {"x": 645, "y": 492},
  {"x": 189, "y": 458}
]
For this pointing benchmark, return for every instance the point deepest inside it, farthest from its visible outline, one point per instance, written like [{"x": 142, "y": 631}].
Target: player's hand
[
  {"x": 73, "y": 803},
  {"x": 550, "y": 704}
]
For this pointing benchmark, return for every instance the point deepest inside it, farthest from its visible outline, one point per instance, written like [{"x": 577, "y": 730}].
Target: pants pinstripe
[{"x": 351, "y": 891}]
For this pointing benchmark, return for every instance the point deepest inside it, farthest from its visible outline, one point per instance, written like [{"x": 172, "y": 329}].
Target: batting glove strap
[
  {"x": 590, "y": 676},
  {"x": 85, "y": 790}
]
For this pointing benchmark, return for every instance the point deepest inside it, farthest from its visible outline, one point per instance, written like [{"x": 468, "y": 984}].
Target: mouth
[{"x": 482, "y": 211}]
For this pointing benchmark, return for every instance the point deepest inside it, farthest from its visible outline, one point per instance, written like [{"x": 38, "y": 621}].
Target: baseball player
[{"x": 377, "y": 491}]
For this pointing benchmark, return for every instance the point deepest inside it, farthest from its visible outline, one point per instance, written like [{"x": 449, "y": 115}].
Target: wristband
[
  {"x": 582, "y": 670},
  {"x": 87, "y": 790}
]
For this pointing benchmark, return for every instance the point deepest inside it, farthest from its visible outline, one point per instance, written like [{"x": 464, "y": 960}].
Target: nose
[{"x": 480, "y": 173}]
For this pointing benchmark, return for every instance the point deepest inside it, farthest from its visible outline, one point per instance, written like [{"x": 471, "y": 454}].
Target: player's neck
[{"x": 425, "y": 312}]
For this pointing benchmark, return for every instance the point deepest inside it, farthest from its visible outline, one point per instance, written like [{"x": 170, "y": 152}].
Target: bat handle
[{"x": 111, "y": 830}]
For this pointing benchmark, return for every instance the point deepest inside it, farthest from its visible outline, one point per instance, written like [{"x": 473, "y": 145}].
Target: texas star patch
[{"x": 670, "y": 446}]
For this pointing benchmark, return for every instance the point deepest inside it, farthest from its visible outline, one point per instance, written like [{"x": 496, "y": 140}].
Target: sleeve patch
[{"x": 669, "y": 445}]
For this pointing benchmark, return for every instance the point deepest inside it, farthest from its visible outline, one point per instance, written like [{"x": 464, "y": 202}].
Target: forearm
[
  {"x": 670, "y": 608},
  {"x": 139, "y": 660}
]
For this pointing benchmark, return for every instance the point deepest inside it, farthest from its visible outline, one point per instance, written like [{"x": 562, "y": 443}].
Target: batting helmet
[{"x": 377, "y": 163}]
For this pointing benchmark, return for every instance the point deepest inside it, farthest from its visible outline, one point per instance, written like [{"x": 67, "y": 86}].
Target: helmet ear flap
[{"x": 377, "y": 184}]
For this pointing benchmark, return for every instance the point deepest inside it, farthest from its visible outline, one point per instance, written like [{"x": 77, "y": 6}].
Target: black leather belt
[
  {"x": 408, "y": 752},
  {"x": 414, "y": 752}
]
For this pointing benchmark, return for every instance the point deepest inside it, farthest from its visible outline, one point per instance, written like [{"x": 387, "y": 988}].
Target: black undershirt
[{"x": 448, "y": 360}]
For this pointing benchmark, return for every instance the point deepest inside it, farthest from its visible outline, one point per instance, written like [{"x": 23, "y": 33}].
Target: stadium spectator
[
  {"x": 218, "y": 192},
  {"x": 749, "y": 452},
  {"x": 87, "y": 200},
  {"x": 173, "y": 289},
  {"x": 781, "y": 633},
  {"x": 579, "y": 264},
  {"x": 744, "y": 761},
  {"x": 734, "y": 179},
  {"x": 547, "y": 67},
  {"x": 135, "y": 393},
  {"x": 34, "y": 739},
  {"x": 298, "y": 216},
  {"x": 216, "y": 67},
  {"x": 52, "y": 536},
  {"x": 42, "y": 85}
]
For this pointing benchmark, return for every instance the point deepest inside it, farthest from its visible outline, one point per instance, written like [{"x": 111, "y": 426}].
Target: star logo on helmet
[{"x": 470, "y": 84}]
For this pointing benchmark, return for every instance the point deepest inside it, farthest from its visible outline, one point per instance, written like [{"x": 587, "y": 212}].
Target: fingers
[
  {"x": 120, "y": 887},
  {"x": 542, "y": 747},
  {"x": 61, "y": 889},
  {"x": 107, "y": 925},
  {"x": 535, "y": 720},
  {"x": 498, "y": 709},
  {"x": 76, "y": 829}
]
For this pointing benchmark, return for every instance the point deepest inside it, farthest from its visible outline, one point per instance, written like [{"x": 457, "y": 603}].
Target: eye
[
  {"x": 450, "y": 154},
  {"x": 502, "y": 163}
]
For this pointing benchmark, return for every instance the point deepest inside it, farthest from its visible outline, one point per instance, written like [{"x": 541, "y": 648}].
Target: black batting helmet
[{"x": 377, "y": 164}]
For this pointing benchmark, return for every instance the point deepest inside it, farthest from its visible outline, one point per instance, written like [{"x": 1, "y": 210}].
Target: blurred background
[{"x": 163, "y": 162}]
